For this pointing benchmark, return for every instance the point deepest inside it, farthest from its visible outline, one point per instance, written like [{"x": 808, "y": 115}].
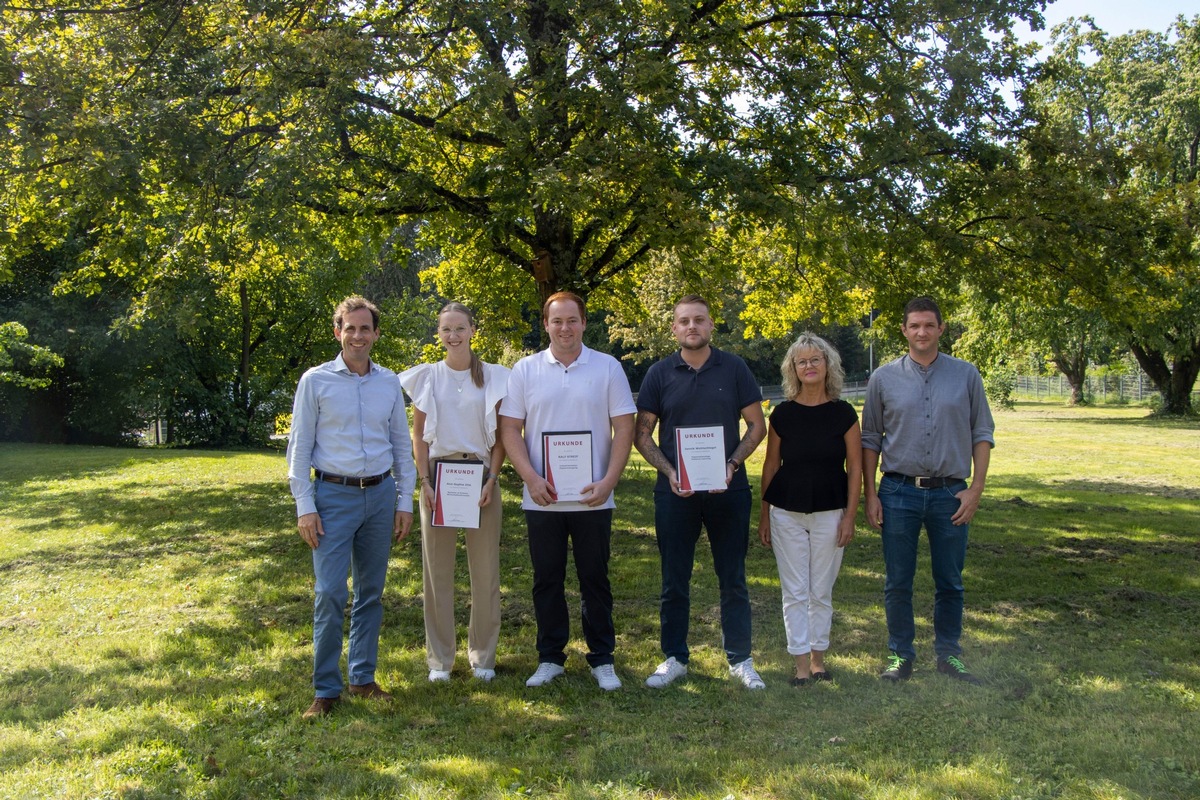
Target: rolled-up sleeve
[
  {"x": 983, "y": 427},
  {"x": 872, "y": 418}
]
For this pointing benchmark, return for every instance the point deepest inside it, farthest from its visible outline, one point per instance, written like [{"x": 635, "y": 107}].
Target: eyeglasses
[{"x": 815, "y": 361}]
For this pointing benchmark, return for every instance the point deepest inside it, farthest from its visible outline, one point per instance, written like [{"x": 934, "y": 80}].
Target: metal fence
[
  {"x": 852, "y": 390},
  {"x": 1108, "y": 389}
]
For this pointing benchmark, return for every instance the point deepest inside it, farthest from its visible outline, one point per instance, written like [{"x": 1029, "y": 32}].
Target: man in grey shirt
[{"x": 927, "y": 415}]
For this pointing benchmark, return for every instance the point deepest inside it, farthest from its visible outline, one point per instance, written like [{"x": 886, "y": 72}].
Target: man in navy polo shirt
[{"x": 701, "y": 385}]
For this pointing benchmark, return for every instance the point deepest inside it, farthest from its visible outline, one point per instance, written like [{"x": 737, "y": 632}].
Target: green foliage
[
  {"x": 1000, "y": 384},
  {"x": 594, "y": 133},
  {"x": 95, "y": 396},
  {"x": 643, "y": 300},
  {"x": 1098, "y": 210},
  {"x": 1010, "y": 333},
  {"x": 128, "y": 149},
  {"x": 408, "y": 324},
  {"x": 23, "y": 363}
]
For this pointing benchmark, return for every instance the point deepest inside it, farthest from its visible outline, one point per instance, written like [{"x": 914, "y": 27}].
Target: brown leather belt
[{"x": 349, "y": 480}]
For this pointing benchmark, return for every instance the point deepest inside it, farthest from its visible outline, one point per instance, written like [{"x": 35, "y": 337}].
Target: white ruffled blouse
[{"x": 422, "y": 383}]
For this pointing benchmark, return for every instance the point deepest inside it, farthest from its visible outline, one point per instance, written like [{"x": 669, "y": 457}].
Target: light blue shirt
[{"x": 349, "y": 425}]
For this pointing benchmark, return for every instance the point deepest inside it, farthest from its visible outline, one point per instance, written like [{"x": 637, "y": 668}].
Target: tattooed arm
[{"x": 643, "y": 440}]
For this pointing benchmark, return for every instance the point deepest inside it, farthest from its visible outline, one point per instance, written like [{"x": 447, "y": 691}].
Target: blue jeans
[
  {"x": 358, "y": 540},
  {"x": 677, "y": 524},
  {"x": 905, "y": 509}
]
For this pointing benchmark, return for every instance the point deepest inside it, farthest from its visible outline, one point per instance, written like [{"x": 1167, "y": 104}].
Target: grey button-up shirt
[{"x": 927, "y": 420}]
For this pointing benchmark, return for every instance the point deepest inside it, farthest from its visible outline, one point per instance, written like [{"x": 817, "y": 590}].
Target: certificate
[
  {"x": 700, "y": 457},
  {"x": 457, "y": 487},
  {"x": 567, "y": 462}
]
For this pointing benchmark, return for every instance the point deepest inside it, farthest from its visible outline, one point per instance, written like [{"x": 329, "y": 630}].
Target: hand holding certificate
[
  {"x": 458, "y": 485},
  {"x": 700, "y": 458},
  {"x": 567, "y": 460}
]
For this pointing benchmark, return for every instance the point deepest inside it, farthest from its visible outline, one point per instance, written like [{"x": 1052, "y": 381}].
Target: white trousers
[{"x": 808, "y": 557}]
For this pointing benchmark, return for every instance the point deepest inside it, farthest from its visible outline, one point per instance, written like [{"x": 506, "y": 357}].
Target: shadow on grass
[
  {"x": 1161, "y": 422},
  {"x": 1129, "y": 416},
  {"x": 23, "y": 465},
  {"x": 1145, "y": 489},
  {"x": 220, "y": 697}
]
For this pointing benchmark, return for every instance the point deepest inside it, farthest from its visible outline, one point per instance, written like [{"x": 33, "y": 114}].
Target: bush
[{"x": 1000, "y": 383}]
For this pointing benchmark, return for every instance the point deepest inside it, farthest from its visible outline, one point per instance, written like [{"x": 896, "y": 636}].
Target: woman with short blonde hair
[{"x": 811, "y": 480}]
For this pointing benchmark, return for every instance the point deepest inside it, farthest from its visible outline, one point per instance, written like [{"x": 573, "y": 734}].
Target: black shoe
[
  {"x": 954, "y": 667},
  {"x": 898, "y": 669},
  {"x": 798, "y": 682},
  {"x": 822, "y": 675}
]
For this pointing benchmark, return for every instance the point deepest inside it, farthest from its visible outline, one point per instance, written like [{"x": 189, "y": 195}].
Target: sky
[{"x": 1116, "y": 17}]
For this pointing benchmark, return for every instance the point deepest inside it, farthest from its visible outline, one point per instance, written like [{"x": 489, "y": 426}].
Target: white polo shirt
[{"x": 582, "y": 396}]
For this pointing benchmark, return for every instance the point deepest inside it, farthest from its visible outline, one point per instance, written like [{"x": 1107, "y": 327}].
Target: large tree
[
  {"x": 1101, "y": 207},
  {"x": 240, "y": 164},
  {"x": 558, "y": 140}
]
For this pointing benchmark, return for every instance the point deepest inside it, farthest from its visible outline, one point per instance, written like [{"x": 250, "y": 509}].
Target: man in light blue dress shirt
[{"x": 350, "y": 432}]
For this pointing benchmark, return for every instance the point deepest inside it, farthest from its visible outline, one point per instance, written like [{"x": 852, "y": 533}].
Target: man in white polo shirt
[{"x": 569, "y": 388}]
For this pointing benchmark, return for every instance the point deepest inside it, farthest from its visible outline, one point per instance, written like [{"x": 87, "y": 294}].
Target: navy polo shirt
[{"x": 715, "y": 394}]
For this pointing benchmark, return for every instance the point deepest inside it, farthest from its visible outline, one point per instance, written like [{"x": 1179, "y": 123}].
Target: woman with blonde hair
[
  {"x": 811, "y": 480},
  {"x": 454, "y": 419}
]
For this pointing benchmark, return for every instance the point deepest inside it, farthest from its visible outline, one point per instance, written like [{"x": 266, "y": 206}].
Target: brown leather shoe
[
  {"x": 370, "y": 691},
  {"x": 320, "y": 707}
]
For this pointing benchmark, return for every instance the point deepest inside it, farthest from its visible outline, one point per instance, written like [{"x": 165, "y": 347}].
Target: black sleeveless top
[{"x": 812, "y": 475}]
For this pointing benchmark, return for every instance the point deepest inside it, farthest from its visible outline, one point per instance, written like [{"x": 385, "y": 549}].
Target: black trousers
[{"x": 588, "y": 535}]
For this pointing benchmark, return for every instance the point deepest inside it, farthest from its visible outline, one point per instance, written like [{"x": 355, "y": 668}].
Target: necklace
[{"x": 459, "y": 382}]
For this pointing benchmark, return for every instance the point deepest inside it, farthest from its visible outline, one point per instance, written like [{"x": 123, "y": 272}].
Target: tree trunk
[
  {"x": 1074, "y": 368},
  {"x": 242, "y": 390},
  {"x": 1175, "y": 381}
]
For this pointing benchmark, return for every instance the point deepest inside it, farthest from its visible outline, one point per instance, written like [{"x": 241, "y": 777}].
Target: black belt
[
  {"x": 344, "y": 480},
  {"x": 922, "y": 481}
]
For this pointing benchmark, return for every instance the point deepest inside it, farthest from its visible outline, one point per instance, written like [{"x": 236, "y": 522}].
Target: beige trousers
[{"x": 439, "y": 548}]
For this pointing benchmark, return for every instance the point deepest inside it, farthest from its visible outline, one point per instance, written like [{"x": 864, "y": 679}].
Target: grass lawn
[{"x": 156, "y": 615}]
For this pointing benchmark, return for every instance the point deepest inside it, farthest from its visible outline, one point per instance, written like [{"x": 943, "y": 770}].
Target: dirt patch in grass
[
  {"x": 17, "y": 623},
  {"x": 1142, "y": 486}
]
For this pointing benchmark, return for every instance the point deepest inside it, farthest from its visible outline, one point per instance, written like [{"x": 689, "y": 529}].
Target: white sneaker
[
  {"x": 484, "y": 674},
  {"x": 546, "y": 672},
  {"x": 439, "y": 675},
  {"x": 746, "y": 673},
  {"x": 666, "y": 674},
  {"x": 606, "y": 676}
]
